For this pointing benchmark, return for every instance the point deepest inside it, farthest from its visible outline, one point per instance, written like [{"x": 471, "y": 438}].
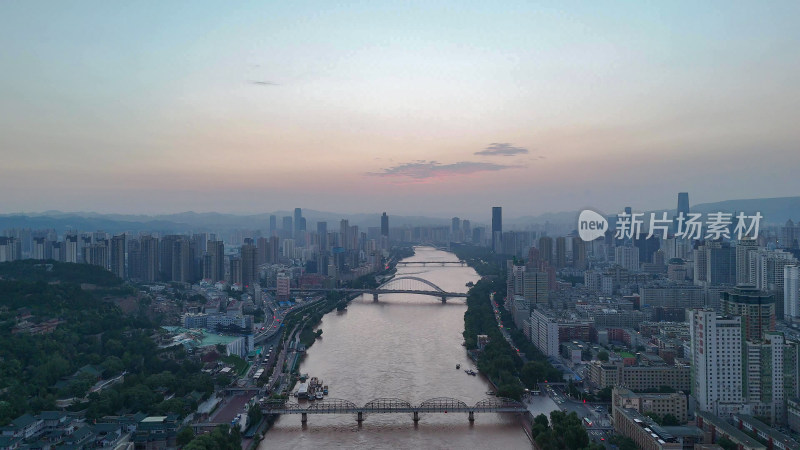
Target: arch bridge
[
  {"x": 399, "y": 285},
  {"x": 441, "y": 405}
]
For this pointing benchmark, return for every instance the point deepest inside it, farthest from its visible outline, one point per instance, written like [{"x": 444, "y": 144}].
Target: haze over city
[{"x": 418, "y": 108}]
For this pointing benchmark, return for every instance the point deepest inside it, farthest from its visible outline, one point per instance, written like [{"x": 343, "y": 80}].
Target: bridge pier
[
  {"x": 472, "y": 416},
  {"x": 360, "y": 417},
  {"x": 375, "y": 297},
  {"x": 416, "y": 416},
  {"x": 444, "y": 299},
  {"x": 303, "y": 417}
]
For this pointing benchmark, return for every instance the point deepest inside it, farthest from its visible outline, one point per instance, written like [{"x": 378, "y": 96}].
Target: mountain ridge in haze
[{"x": 775, "y": 210}]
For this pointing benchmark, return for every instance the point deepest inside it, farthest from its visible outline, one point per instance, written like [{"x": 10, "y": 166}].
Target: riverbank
[{"x": 403, "y": 346}]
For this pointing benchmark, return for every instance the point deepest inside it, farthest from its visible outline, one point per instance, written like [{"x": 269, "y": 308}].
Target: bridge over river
[
  {"x": 440, "y": 405},
  {"x": 398, "y": 285}
]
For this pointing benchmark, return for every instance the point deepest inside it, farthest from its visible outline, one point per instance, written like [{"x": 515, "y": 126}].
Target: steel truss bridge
[
  {"x": 433, "y": 263},
  {"x": 441, "y": 405},
  {"x": 398, "y": 285}
]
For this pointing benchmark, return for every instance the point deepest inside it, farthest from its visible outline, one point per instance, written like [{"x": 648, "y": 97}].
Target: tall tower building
[
  {"x": 561, "y": 252},
  {"x": 683, "y": 203},
  {"x": 274, "y": 250},
  {"x": 717, "y": 345},
  {"x": 756, "y": 308},
  {"x": 150, "y": 258},
  {"x": 118, "y": 256},
  {"x": 771, "y": 375},
  {"x": 182, "y": 260},
  {"x": 743, "y": 249},
  {"x": 322, "y": 233},
  {"x": 627, "y": 256},
  {"x": 71, "y": 252},
  {"x": 497, "y": 228},
  {"x": 214, "y": 263},
  {"x": 298, "y": 214},
  {"x": 546, "y": 249},
  {"x": 273, "y": 224},
  {"x": 720, "y": 264},
  {"x": 288, "y": 228},
  {"x": 791, "y": 292},
  {"x": 385, "y": 225},
  {"x": 249, "y": 265},
  {"x": 236, "y": 270},
  {"x": 578, "y": 253},
  {"x": 97, "y": 254},
  {"x": 262, "y": 248},
  {"x": 455, "y": 227}
]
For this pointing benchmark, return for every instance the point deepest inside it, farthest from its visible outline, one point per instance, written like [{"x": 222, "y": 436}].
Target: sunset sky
[{"x": 435, "y": 108}]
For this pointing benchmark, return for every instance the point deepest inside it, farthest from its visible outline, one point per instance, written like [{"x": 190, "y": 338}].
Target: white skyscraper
[
  {"x": 791, "y": 291},
  {"x": 743, "y": 249},
  {"x": 627, "y": 257},
  {"x": 716, "y": 362}
]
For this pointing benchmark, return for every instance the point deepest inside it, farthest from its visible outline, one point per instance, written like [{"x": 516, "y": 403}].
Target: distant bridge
[
  {"x": 398, "y": 285},
  {"x": 433, "y": 263},
  {"x": 441, "y": 405}
]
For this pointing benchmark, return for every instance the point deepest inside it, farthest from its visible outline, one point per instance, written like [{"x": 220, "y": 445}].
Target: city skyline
[{"x": 416, "y": 110}]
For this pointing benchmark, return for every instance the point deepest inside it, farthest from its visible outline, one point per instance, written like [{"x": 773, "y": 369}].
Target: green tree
[
  {"x": 670, "y": 420},
  {"x": 623, "y": 442},
  {"x": 254, "y": 415},
  {"x": 602, "y": 355},
  {"x": 184, "y": 436},
  {"x": 727, "y": 444}
]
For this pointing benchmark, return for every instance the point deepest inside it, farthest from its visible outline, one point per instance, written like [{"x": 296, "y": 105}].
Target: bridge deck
[{"x": 391, "y": 410}]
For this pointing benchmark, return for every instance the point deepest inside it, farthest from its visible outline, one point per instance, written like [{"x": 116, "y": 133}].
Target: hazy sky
[{"x": 436, "y": 108}]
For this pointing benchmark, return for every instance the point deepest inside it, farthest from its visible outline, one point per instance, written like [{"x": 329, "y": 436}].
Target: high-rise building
[
  {"x": 71, "y": 252},
  {"x": 287, "y": 229},
  {"x": 182, "y": 260},
  {"x": 466, "y": 229},
  {"x": 97, "y": 254},
  {"x": 627, "y": 256},
  {"x": 322, "y": 234},
  {"x": 790, "y": 235},
  {"x": 455, "y": 228},
  {"x": 214, "y": 264},
  {"x": 118, "y": 256},
  {"x": 298, "y": 214},
  {"x": 791, "y": 292},
  {"x": 497, "y": 228},
  {"x": 771, "y": 376},
  {"x": 716, "y": 354},
  {"x": 262, "y": 250},
  {"x": 683, "y": 208},
  {"x": 282, "y": 291},
  {"x": 385, "y": 225},
  {"x": 683, "y": 203},
  {"x": 546, "y": 249},
  {"x": 274, "y": 250},
  {"x": 273, "y": 225},
  {"x": 578, "y": 253},
  {"x": 150, "y": 258},
  {"x": 720, "y": 264},
  {"x": 743, "y": 248},
  {"x": 236, "y": 270},
  {"x": 561, "y": 252},
  {"x": 767, "y": 269},
  {"x": 249, "y": 265},
  {"x": 756, "y": 308}
]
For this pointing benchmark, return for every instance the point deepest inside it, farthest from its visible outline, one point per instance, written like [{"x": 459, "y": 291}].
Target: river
[{"x": 406, "y": 347}]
